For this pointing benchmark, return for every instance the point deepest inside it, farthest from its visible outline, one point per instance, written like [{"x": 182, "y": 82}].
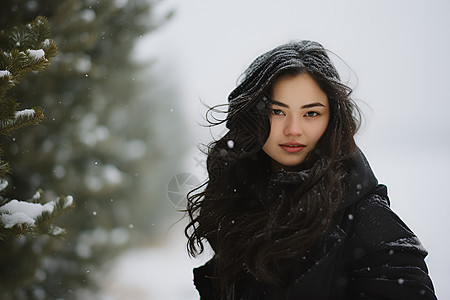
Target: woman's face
[{"x": 299, "y": 114}]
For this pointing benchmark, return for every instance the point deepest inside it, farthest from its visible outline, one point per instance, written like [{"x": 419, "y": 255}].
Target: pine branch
[
  {"x": 22, "y": 118},
  {"x": 32, "y": 216},
  {"x": 4, "y": 168},
  {"x": 24, "y": 49}
]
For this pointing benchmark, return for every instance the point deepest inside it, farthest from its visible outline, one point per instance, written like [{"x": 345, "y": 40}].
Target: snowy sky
[{"x": 398, "y": 54}]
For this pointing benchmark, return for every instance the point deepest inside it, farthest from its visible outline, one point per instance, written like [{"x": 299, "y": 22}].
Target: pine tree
[
  {"x": 103, "y": 115},
  {"x": 24, "y": 49}
]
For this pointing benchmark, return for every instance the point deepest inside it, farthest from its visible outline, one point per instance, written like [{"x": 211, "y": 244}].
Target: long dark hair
[{"x": 248, "y": 235}]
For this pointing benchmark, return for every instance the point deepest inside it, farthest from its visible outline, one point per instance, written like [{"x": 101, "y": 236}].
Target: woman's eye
[
  {"x": 311, "y": 114},
  {"x": 277, "y": 112}
]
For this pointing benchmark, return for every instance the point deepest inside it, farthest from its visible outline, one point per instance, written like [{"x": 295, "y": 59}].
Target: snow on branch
[
  {"x": 31, "y": 216},
  {"x": 36, "y": 54},
  {"x": 21, "y": 212},
  {"x": 25, "y": 113},
  {"x": 5, "y": 73},
  {"x": 21, "y": 118}
]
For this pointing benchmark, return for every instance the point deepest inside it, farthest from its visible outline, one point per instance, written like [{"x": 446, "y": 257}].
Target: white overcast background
[{"x": 398, "y": 57}]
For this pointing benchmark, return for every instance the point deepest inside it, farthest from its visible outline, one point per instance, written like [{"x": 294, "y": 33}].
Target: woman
[{"x": 292, "y": 209}]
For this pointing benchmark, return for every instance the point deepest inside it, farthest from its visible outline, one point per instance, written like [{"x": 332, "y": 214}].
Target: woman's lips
[{"x": 292, "y": 147}]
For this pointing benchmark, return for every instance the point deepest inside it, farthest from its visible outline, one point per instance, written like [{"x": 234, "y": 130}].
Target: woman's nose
[{"x": 293, "y": 126}]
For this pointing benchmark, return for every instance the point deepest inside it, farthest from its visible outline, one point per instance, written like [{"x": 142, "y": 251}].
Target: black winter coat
[{"x": 369, "y": 253}]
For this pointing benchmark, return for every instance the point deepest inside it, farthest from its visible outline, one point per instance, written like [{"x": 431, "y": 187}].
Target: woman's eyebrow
[
  {"x": 312, "y": 105},
  {"x": 272, "y": 102},
  {"x": 303, "y": 107}
]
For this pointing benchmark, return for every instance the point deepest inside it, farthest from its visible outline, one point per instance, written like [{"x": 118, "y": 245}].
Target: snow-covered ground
[
  {"x": 162, "y": 272},
  {"x": 399, "y": 52}
]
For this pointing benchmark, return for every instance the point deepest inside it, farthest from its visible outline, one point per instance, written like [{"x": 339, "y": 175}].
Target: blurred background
[{"x": 123, "y": 101}]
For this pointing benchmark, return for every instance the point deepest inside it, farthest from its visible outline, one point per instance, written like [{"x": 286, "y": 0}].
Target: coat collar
[
  {"x": 362, "y": 182},
  {"x": 361, "y": 179}
]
